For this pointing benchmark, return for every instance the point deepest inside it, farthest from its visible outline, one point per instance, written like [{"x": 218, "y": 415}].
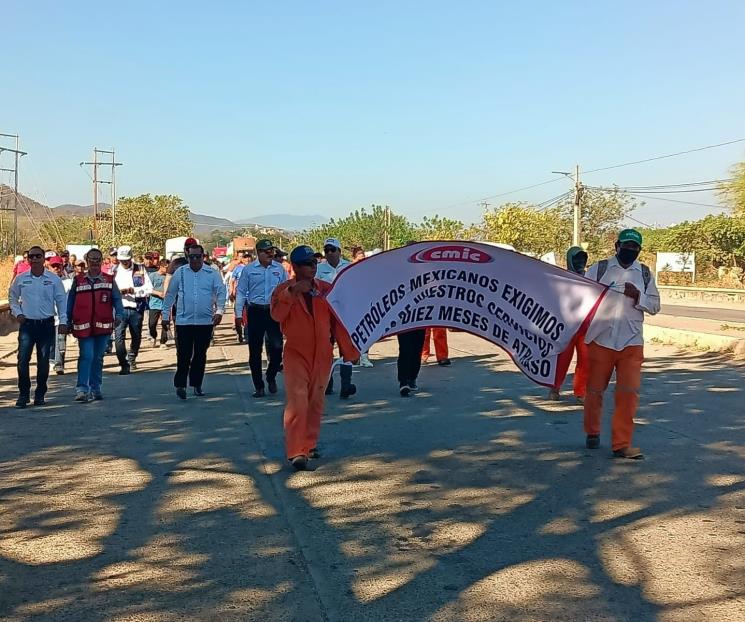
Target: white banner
[{"x": 529, "y": 308}]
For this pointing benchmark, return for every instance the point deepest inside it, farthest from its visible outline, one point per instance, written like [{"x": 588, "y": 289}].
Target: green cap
[
  {"x": 630, "y": 235},
  {"x": 264, "y": 245}
]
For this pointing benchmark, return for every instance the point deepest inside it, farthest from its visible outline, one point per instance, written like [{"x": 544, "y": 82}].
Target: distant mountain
[{"x": 288, "y": 222}]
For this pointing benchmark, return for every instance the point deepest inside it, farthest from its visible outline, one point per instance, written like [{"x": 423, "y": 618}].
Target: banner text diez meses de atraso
[{"x": 529, "y": 308}]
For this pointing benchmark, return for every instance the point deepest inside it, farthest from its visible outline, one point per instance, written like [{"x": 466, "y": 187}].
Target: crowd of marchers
[{"x": 281, "y": 312}]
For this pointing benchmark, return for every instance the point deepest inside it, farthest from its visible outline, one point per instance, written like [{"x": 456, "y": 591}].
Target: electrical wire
[{"x": 640, "y": 196}]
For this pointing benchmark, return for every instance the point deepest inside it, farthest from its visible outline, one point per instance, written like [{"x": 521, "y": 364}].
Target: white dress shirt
[
  {"x": 327, "y": 272},
  {"x": 619, "y": 322},
  {"x": 257, "y": 284},
  {"x": 201, "y": 295},
  {"x": 125, "y": 279},
  {"x": 36, "y": 297}
]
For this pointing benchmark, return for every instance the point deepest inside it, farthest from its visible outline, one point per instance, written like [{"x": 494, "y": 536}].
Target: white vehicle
[
  {"x": 175, "y": 246},
  {"x": 79, "y": 250}
]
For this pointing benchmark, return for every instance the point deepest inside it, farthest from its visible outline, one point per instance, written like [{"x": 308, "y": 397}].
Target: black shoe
[
  {"x": 330, "y": 389},
  {"x": 198, "y": 392},
  {"x": 97, "y": 396},
  {"x": 350, "y": 390},
  {"x": 22, "y": 402},
  {"x": 259, "y": 393},
  {"x": 314, "y": 454},
  {"x": 300, "y": 463},
  {"x": 181, "y": 392},
  {"x": 405, "y": 391},
  {"x": 133, "y": 364},
  {"x": 39, "y": 401},
  {"x": 59, "y": 371},
  {"x": 592, "y": 441},
  {"x": 124, "y": 371},
  {"x": 240, "y": 339},
  {"x": 272, "y": 384},
  {"x": 413, "y": 387},
  {"x": 444, "y": 362}
]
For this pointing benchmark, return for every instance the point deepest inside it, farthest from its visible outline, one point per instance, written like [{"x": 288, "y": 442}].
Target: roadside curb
[{"x": 696, "y": 340}]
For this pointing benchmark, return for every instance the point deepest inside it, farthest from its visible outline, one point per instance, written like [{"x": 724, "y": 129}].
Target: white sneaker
[{"x": 365, "y": 360}]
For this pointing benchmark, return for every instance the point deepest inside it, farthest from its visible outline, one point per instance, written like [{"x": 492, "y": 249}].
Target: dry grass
[{"x": 6, "y": 275}]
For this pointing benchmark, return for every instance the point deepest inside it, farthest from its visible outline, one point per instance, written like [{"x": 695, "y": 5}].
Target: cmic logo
[{"x": 452, "y": 252}]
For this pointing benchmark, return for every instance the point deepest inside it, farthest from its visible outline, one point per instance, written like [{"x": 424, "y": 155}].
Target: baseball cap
[
  {"x": 152, "y": 255},
  {"x": 124, "y": 252},
  {"x": 55, "y": 259},
  {"x": 49, "y": 254},
  {"x": 630, "y": 235},
  {"x": 301, "y": 254},
  {"x": 332, "y": 242},
  {"x": 190, "y": 242},
  {"x": 264, "y": 245},
  {"x": 80, "y": 262}
]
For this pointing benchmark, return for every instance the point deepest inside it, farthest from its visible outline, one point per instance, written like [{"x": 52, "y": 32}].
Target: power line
[
  {"x": 669, "y": 155},
  {"x": 641, "y": 196}
]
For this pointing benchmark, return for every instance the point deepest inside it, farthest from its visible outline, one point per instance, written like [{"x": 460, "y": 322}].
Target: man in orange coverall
[
  {"x": 440, "y": 336},
  {"x": 308, "y": 324}
]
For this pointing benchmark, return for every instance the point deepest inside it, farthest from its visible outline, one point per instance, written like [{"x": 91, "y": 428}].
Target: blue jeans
[
  {"x": 90, "y": 363},
  {"x": 39, "y": 333},
  {"x": 133, "y": 319}
]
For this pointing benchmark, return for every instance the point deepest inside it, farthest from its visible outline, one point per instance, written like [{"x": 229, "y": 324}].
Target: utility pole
[
  {"x": 387, "y": 229},
  {"x": 111, "y": 183},
  {"x": 17, "y": 153},
  {"x": 577, "y": 217}
]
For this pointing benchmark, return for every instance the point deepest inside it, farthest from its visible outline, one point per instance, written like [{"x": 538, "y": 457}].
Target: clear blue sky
[{"x": 248, "y": 108}]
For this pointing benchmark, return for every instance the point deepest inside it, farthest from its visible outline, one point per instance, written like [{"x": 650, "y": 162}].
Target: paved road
[
  {"x": 474, "y": 501},
  {"x": 707, "y": 313}
]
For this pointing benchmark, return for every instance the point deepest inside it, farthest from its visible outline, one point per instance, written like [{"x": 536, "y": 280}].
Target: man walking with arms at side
[
  {"x": 94, "y": 308},
  {"x": 615, "y": 341},
  {"x": 201, "y": 303},
  {"x": 255, "y": 288},
  {"x": 34, "y": 297},
  {"x": 135, "y": 286},
  {"x": 156, "y": 303},
  {"x": 309, "y": 325}
]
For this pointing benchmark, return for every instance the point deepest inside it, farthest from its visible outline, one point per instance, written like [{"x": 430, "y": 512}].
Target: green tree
[
  {"x": 146, "y": 222},
  {"x": 361, "y": 228},
  {"x": 732, "y": 192},
  {"x": 440, "y": 228},
  {"x": 528, "y": 229},
  {"x": 67, "y": 230}
]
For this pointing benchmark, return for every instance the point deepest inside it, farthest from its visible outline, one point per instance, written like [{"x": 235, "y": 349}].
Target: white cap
[
  {"x": 332, "y": 242},
  {"x": 49, "y": 254},
  {"x": 124, "y": 252}
]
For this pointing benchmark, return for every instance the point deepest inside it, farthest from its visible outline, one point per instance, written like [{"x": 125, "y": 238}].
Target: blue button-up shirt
[
  {"x": 201, "y": 295},
  {"x": 38, "y": 297},
  {"x": 257, "y": 284}
]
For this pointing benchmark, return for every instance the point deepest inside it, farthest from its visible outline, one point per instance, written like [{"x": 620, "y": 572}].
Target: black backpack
[{"x": 646, "y": 272}]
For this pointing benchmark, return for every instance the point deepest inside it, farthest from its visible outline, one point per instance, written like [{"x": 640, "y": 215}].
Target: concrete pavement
[
  {"x": 706, "y": 313},
  {"x": 474, "y": 500}
]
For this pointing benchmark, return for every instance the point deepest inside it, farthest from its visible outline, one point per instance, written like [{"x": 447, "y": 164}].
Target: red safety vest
[{"x": 93, "y": 312}]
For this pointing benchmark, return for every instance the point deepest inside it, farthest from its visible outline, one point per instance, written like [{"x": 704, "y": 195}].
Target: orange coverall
[
  {"x": 441, "y": 343},
  {"x": 307, "y": 359}
]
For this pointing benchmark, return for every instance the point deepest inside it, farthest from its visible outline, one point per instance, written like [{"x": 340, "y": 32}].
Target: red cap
[
  {"x": 55, "y": 259},
  {"x": 190, "y": 242}
]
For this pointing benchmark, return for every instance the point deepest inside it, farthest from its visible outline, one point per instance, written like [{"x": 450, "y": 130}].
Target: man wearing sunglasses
[
  {"x": 254, "y": 291},
  {"x": 310, "y": 327},
  {"x": 327, "y": 271},
  {"x": 34, "y": 297},
  {"x": 201, "y": 298}
]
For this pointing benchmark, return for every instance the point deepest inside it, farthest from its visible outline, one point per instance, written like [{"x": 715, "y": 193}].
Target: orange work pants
[
  {"x": 580, "y": 370},
  {"x": 304, "y": 389},
  {"x": 628, "y": 367},
  {"x": 441, "y": 343}
]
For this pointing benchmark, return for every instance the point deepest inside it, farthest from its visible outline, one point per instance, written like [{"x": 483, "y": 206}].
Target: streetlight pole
[
  {"x": 17, "y": 154},
  {"x": 577, "y": 215}
]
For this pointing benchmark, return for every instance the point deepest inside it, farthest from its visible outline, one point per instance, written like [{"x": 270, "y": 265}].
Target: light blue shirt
[
  {"x": 327, "y": 272},
  {"x": 257, "y": 284},
  {"x": 201, "y": 295},
  {"x": 38, "y": 297}
]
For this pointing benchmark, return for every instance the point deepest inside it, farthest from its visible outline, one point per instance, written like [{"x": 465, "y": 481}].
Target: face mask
[
  {"x": 579, "y": 265},
  {"x": 627, "y": 256}
]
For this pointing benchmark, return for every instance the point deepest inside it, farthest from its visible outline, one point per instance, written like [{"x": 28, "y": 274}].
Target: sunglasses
[
  {"x": 268, "y": 250},
  {"x": 311, "y": 263},
  {"x": 35, "y": 255},
  {"x": 195, "y": 256},
  {"x": 330, "y": 249}
]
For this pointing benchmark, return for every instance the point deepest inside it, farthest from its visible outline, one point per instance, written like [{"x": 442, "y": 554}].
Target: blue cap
[{"x": 301, "y": 254}]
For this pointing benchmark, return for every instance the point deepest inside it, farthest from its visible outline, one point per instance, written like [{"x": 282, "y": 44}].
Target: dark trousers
[
  {"x": 153, "y": 318},
  {"x": 410, "y": 355},
  {"x": 261, "y": 324},
  {"x": 132, "y": 319},
  {"x": 192, "y": 343},
  {"x": 41, "y": 334}
]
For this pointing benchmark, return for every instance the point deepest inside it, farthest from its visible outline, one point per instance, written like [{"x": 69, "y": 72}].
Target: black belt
[
  {"x": 46, "y": 320},
  {"x": 257, "y": 306}
]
